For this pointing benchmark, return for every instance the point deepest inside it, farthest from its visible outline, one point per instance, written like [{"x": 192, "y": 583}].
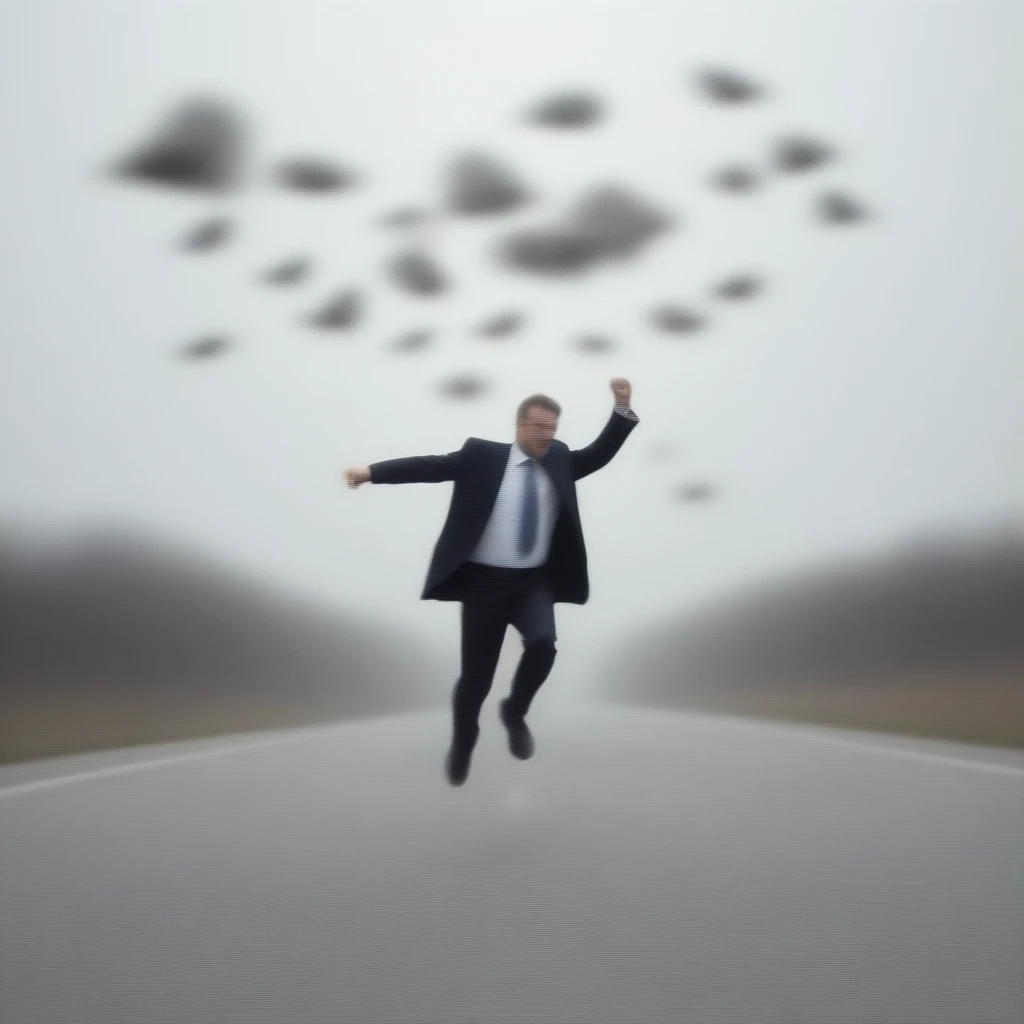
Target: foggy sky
[{"x": 872, "y": 392}]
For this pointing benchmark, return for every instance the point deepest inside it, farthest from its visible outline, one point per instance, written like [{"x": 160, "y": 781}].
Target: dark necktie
[{"x": 528, "y": 516}]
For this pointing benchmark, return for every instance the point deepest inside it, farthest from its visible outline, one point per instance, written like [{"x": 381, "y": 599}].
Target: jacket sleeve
[
  {"x": 602, "y": 449},
  {"x": 419, "y": 469}
]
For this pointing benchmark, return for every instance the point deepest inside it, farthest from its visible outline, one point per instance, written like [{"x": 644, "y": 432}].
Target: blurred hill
[
  {"x": 926, "y": 640},
  {"x": 109, "y": 637}
]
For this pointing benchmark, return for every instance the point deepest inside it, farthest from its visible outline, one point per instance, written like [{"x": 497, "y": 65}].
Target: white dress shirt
[{"x": 499, "y": 544}]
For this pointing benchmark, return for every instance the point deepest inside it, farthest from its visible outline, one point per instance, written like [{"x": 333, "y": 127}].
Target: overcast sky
[{"x": 873, "y": 393}]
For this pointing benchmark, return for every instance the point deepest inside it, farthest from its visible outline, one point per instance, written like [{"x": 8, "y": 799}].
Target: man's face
[{"x": 534, "y": 434}]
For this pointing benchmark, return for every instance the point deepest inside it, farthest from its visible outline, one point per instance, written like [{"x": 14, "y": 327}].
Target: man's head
[{"x": 536, "y": 423}]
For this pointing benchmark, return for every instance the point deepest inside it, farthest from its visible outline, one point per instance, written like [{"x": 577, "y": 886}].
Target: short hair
[{"x": 538, "y": 402}]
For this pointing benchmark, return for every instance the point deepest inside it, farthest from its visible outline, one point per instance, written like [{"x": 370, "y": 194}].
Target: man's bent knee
[{"x": 541, "y": 644}]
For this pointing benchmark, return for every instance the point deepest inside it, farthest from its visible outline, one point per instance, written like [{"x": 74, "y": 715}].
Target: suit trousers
[{"x": 493, "y": 598}]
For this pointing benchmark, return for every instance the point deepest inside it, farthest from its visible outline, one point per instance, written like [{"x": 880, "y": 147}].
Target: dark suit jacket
[{"x": 478, "y": 468}]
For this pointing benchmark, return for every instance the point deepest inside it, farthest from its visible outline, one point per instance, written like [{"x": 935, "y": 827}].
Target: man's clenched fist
[
  {"x": 621, "y": 389},
  {"x": 358, "y": 475}
]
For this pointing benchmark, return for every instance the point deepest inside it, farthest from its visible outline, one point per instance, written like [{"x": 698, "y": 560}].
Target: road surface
[{"x": 644, "y": 866}]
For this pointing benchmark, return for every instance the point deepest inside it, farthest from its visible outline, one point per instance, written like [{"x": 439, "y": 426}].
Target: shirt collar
[{"x": 517, "y": 455}]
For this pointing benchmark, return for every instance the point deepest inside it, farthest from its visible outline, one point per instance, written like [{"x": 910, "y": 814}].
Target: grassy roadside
[
  {"x": 984, "y": 709},
  {"x": 35, "y": 729}
]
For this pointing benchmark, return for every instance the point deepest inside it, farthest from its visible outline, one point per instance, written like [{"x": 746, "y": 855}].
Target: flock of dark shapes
[{"x": 200, "y": 147}]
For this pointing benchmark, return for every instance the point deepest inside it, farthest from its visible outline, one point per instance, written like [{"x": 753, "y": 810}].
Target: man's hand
[
  {"x": 622, "y": 390},
  {"x": 358, "y": 475}
]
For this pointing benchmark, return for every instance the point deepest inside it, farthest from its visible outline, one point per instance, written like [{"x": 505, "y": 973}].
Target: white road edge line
[
  {"x": 918, "y": 755},
  {"x": 804, "y": 733},
  {"x": 135, "y": 766},
  {"x": 823, "y": 735}
]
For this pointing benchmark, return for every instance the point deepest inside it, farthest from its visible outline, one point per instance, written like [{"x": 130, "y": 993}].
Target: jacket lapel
[{"x": 553, "y": 463}]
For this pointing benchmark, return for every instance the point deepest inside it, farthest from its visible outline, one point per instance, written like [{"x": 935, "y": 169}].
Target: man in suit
[{"x": 511, "y": 548}]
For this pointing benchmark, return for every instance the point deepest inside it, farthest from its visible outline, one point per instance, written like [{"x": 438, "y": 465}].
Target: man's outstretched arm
[
  {"x": 416, "y": 469},
  {"x": 602, "y": 450}
]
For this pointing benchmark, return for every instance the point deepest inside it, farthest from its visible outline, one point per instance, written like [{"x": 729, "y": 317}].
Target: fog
[{"x": 867, "y": 392}]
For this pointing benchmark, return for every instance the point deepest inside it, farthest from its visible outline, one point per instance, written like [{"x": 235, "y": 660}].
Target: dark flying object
[
  {"x": 418, "y": 273},
  {"x": 740, "y": 286},
  {"x": 677, "y": 319},
  {"x": 840, "y": 208},
  {"x": 549, "y": 251},
  {"x": 199, "y": 146},
  {"x": 502, "y": 325},
  {"x": 595, "y": 344},
  {"x": 797, "y": 153},
  {"x": 290, "y": 272},
  {"x": 205, "y": 348},
  {"x": 315, "y": 176},
  {"x": 735, "y": 179},
  {"x": 412, "y": 341},
  {"x": 723, "y": 86},
  {"x": 343, "y": 312},
  {"x": 574, "y": 109},
  {"x": 616, "y": 221},
  {"x": 462, "y": 386},
  {"x": 208, "y": 235},
  {"x": 479, "y": 184},
  {"x": 404, "y": 217},
  {"x": 694, "y": 492}
]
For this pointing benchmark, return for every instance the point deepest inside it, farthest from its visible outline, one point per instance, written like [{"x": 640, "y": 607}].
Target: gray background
[{"x": 872, "y": 394}]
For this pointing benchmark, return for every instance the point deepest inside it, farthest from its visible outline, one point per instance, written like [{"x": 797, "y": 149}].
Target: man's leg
[
  {"x": 484, "y": 622},
  {"x": 534, "y": 617}
]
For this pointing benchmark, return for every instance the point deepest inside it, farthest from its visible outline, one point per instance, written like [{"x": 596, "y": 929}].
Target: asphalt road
[{"x": 644, "y": 866}]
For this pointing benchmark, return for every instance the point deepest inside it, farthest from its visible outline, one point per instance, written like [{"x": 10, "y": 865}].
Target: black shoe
[
  {"x": 520, "y": 739},
  {"x": 456, "y": 764}
]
